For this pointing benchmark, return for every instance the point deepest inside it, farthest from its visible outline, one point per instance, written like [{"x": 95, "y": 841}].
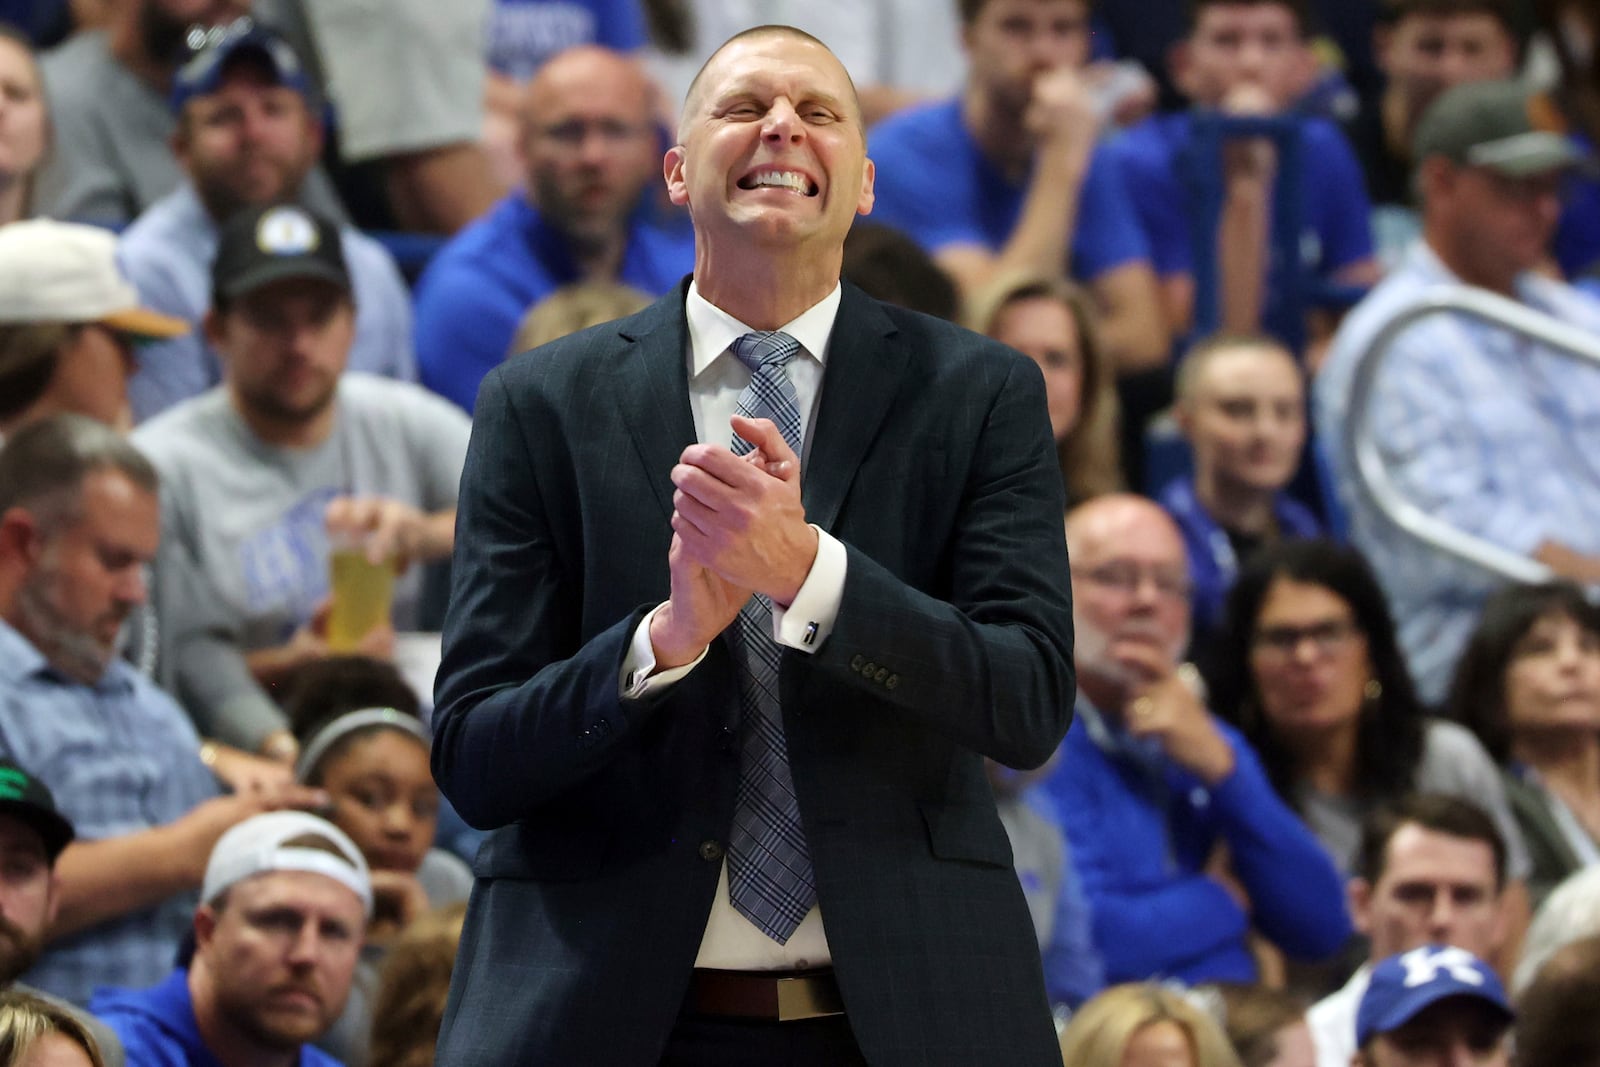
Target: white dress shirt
[
  {"x": 716, "y": 379},
  {"x": 1332, "y": 1020}
]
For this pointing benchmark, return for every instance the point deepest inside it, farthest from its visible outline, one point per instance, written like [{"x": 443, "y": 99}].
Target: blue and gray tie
[{"x": 770, "y": 881}]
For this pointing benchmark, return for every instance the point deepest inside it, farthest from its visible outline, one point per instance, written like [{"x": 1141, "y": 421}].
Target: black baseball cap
[
  {"x": 24, "y": 797},
  {"x": 262, "y": 245}
]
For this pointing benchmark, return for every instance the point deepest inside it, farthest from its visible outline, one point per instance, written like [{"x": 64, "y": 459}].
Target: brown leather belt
[{"x": 776, "y": 996}]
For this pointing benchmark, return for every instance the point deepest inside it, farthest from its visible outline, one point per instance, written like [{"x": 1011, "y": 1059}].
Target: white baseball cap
[
  {"x": 67, "y": 273},
  {"x": 261, "y": 845}
]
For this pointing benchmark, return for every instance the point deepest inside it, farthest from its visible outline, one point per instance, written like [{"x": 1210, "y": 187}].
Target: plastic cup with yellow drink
[{"x": 361, "y": 592}]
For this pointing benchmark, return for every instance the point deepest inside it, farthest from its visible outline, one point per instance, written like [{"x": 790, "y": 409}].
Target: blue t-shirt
[
  {"x": 522, "y": 34},
  {"x": 1156, "y": 154},
  {"x": 158, "y": 1029},
  {"x": 935, "y": 183},
  {"x": 474, "y": 294}
]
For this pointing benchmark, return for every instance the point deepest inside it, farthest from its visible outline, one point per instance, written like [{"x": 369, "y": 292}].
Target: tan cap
[{"x": 67, "y": 273}]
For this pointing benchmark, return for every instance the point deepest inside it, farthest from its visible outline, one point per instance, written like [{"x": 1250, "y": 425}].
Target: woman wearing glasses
[{"x": 1308, "y": 668}]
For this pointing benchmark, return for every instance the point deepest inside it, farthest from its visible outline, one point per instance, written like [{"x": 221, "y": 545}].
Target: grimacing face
[{"x": 773, "y": 151}]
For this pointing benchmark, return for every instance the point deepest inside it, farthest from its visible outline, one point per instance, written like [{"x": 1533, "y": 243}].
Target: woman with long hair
[
  {"x": 1309, "y": 669},
  {"x": 1052, "y": 322},
  {"x": 24, "y": 123},
  {"x": 1528, "y": 685}
]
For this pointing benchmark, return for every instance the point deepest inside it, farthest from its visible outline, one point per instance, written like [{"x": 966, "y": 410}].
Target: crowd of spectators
[{"x": 1331, "y": 787}]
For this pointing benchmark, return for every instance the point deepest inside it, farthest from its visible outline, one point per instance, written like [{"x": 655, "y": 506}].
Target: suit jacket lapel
[
  {"x": 652, "y": 389},
  {"x": 863, "y": 374}
]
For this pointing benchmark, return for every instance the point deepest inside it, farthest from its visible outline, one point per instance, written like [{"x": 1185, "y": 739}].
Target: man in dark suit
[{"x": 724, "y": 709}]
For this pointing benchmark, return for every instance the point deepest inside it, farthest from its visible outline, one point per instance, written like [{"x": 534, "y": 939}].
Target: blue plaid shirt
[
  {"x": 120, "y": 757},
  {"x": 1496, "y": 434}
]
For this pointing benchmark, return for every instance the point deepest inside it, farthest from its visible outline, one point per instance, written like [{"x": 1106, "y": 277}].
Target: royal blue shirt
[
  {"x": 935, "y": 183},
  {"x": 1142, "y": 830},
  {"x": 522, "y": 34},
  {"x": 1213, "y": 564},
  {"x": 1155, "y": 155},
  {"x": 476, "y": 291},
  {"x": 158, "y": 1028}
]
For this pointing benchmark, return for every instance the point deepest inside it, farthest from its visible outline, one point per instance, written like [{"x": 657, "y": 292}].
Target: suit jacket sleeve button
[
  {"x": 883, "y": 672},
  {"x": 856, "y": 662},
  {"x": 711, "y": 851},
  {"x": 891, "y": 681}
]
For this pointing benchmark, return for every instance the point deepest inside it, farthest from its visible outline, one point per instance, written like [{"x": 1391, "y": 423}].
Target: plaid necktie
[{"x": 769, "y": 867}]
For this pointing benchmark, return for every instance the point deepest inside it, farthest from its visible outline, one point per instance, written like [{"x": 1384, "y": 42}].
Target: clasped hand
[{"x": 739, "y": 528}]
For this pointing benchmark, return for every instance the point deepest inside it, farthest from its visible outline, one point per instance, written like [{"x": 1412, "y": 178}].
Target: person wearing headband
[
  {"x": 277, "y": 936},
  {"x": 373, "y": 763}
]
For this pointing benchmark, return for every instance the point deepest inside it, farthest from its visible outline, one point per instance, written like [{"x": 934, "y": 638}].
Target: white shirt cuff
[
  {"x": 808, "y": 620},
  {"x": 639, "y": 674}
]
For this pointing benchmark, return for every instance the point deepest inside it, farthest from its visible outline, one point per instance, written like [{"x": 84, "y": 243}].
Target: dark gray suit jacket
[{"x": 932, "y": 461}]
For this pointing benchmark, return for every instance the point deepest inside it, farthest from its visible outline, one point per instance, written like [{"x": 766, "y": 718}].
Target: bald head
[
  {"x": 589, "y": 144},
  {"x": 578, "y": 72},
  {"x": 694, "y": 99},
  {"x": 1102, "y": 521},
  {"x": 1130, "y": 594}
]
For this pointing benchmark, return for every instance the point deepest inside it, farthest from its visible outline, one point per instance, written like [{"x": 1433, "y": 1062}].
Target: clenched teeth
[{"x": 782, "y": 179}]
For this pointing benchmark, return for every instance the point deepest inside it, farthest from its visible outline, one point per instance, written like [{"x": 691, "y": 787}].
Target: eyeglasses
[
  {"x": 1125, "y": 577},
  {"x": 1326, "y": 637},
  {"x": 573, "y": 132}
]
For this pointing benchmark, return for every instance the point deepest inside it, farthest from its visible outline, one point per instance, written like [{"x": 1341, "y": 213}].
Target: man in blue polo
[
  {"x": 1008, "y": 177},
  {"x": 590, "y": 146}
]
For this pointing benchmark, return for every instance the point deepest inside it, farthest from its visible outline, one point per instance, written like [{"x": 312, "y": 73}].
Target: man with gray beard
[
  {"x": 1182, "y": 843},
  {"x": 79, "y": 523}
]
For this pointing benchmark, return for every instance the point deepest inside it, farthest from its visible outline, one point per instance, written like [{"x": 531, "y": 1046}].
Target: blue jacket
[
  {"x": 1213, "y": 567},
  {"x": 158, "y": 1028},
  {"x": 473, "y": 295},
  {"x": 1141, "y": 831}
]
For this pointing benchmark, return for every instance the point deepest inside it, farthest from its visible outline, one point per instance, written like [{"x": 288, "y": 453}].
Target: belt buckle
[{"x": 808, "y": 996}]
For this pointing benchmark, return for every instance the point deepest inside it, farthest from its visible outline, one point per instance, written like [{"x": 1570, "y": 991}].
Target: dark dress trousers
[{"x": 932, "y": 462}]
